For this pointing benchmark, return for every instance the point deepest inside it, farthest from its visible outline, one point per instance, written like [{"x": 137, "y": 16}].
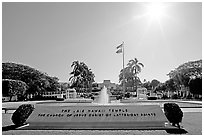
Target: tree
[
  {"x": 13, "y": 88},
  {"x": 195, "y": 86},
  {"x": 64, "y": 86},
  {"x": 147, "y": 85},
  {"x": 128, "y": 79},
  {"x": 90, "y": 79},
  {"x": 187, "y": 72},
  {"x": 81, "y": 76},
  {"x": 154, "y": 83},
  {"x": 36, "y": 80},
  {"x": 135, "y": 67},
  {"x": 171, "y": 85}
]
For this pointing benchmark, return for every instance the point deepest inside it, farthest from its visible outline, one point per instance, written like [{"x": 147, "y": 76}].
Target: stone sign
[{"x": 96, "y": 117}]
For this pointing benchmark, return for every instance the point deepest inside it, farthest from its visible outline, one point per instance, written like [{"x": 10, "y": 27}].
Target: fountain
[
  {"x": 100, "y": 115},
  {"x": 103, "y": 97}
]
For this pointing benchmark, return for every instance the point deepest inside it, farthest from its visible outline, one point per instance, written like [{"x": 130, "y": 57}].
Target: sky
[{"x": 50, "y": 36}]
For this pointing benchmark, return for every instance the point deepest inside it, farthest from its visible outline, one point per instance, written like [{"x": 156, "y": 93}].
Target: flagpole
[{"x": 123, "y": 68}]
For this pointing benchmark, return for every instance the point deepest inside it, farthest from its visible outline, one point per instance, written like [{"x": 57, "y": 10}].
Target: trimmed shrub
[
  {"x": 59, "y": 99},
  {"x": 20, "y": 116},
  {"x": 173, "y": 113},
  {"x": 152, "y": 98}
]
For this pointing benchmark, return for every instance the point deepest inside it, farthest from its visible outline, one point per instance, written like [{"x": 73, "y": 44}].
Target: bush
[
  {"x": 127, "y": 95},
  {"x": 20, "y": 116},
  {"x": 175, "y": 96},
  {"x": 173, "y": 113},
  {"x": 189, "y": 96},
  {"x": 164, "y": 97},
  {"x": 119, "y": 97},
  {"x": 92, "y": 98}
]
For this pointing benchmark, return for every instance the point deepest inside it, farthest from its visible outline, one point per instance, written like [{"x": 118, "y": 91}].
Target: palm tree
[
  {"x": 90, "y": 79},
  {"x": 135, "y": 67},
  {"x": 76, "y": 78},
  {"x": 128, "y": 76},
  {"x": 82, "y": 76}
]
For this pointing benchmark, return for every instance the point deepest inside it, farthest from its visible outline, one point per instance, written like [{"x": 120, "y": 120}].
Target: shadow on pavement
[
  {"x": 11, "y": 127},
  {"x": 176, "y": 131}
]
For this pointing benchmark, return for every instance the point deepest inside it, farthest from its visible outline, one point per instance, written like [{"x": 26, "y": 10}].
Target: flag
[{"x": 119, "y": 48}]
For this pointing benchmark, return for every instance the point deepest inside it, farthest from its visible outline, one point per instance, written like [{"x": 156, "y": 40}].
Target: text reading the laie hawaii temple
[{"x": 96, "y": 113}]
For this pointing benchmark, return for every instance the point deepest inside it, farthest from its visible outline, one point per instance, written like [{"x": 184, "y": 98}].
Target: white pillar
[
  {"x": 67, "y": 94},
  {"x": 74, "y": 94},
  {"x": 168, "y": 93}
]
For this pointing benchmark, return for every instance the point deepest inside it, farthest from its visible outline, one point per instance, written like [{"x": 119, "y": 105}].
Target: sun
[{"x": 155, "y": 10}]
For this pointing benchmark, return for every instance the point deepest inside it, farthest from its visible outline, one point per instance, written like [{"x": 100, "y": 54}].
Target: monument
[{"x": 100, "y": 115}]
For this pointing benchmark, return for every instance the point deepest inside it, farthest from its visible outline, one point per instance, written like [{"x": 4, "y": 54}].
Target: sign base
[{"x": 92, "y": 116}]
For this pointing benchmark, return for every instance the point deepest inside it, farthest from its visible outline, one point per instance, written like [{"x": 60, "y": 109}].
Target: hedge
[{"x": 152, "y": 98}]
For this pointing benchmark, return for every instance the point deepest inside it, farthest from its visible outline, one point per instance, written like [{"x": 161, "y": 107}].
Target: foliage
[
  {"x": 13, "y": 87},
  {"x": 154, "y": 83},
  {"x": 175, "y": 96},
  {"x": 152, "y": 98},
  {"x": 164, "y": 97},
  {"x": 64, "y": 86},
  {"x": 187, "y": 71},
  {"x": 81, "y": 76},
  {"x": 127, "y": 95},
  {"x": 94, "y": 85},
  {"x": 131, "y": 79},
  {"x": 128, "y": 79},
  {"x": 20, "y": 116},
  {"x": 195, "y": 86},
  {"x": 173, "y": 113},
  {"x": 160, "y": 87},
  {"x": 190, "y": 69},
  {"x": 119, "y": 97},
  {"x": 36, "y": 80},
  {"x": 189, "y": 75},
  {"x": 147, "y": 85},
  {"x": 59, "y": 99},
  {"x": 171, "y": 85},
  {"x": 189, "y": 96}
]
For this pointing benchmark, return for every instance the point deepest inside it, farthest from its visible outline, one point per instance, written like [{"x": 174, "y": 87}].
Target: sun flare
[{"x": 155, "y": 10}]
